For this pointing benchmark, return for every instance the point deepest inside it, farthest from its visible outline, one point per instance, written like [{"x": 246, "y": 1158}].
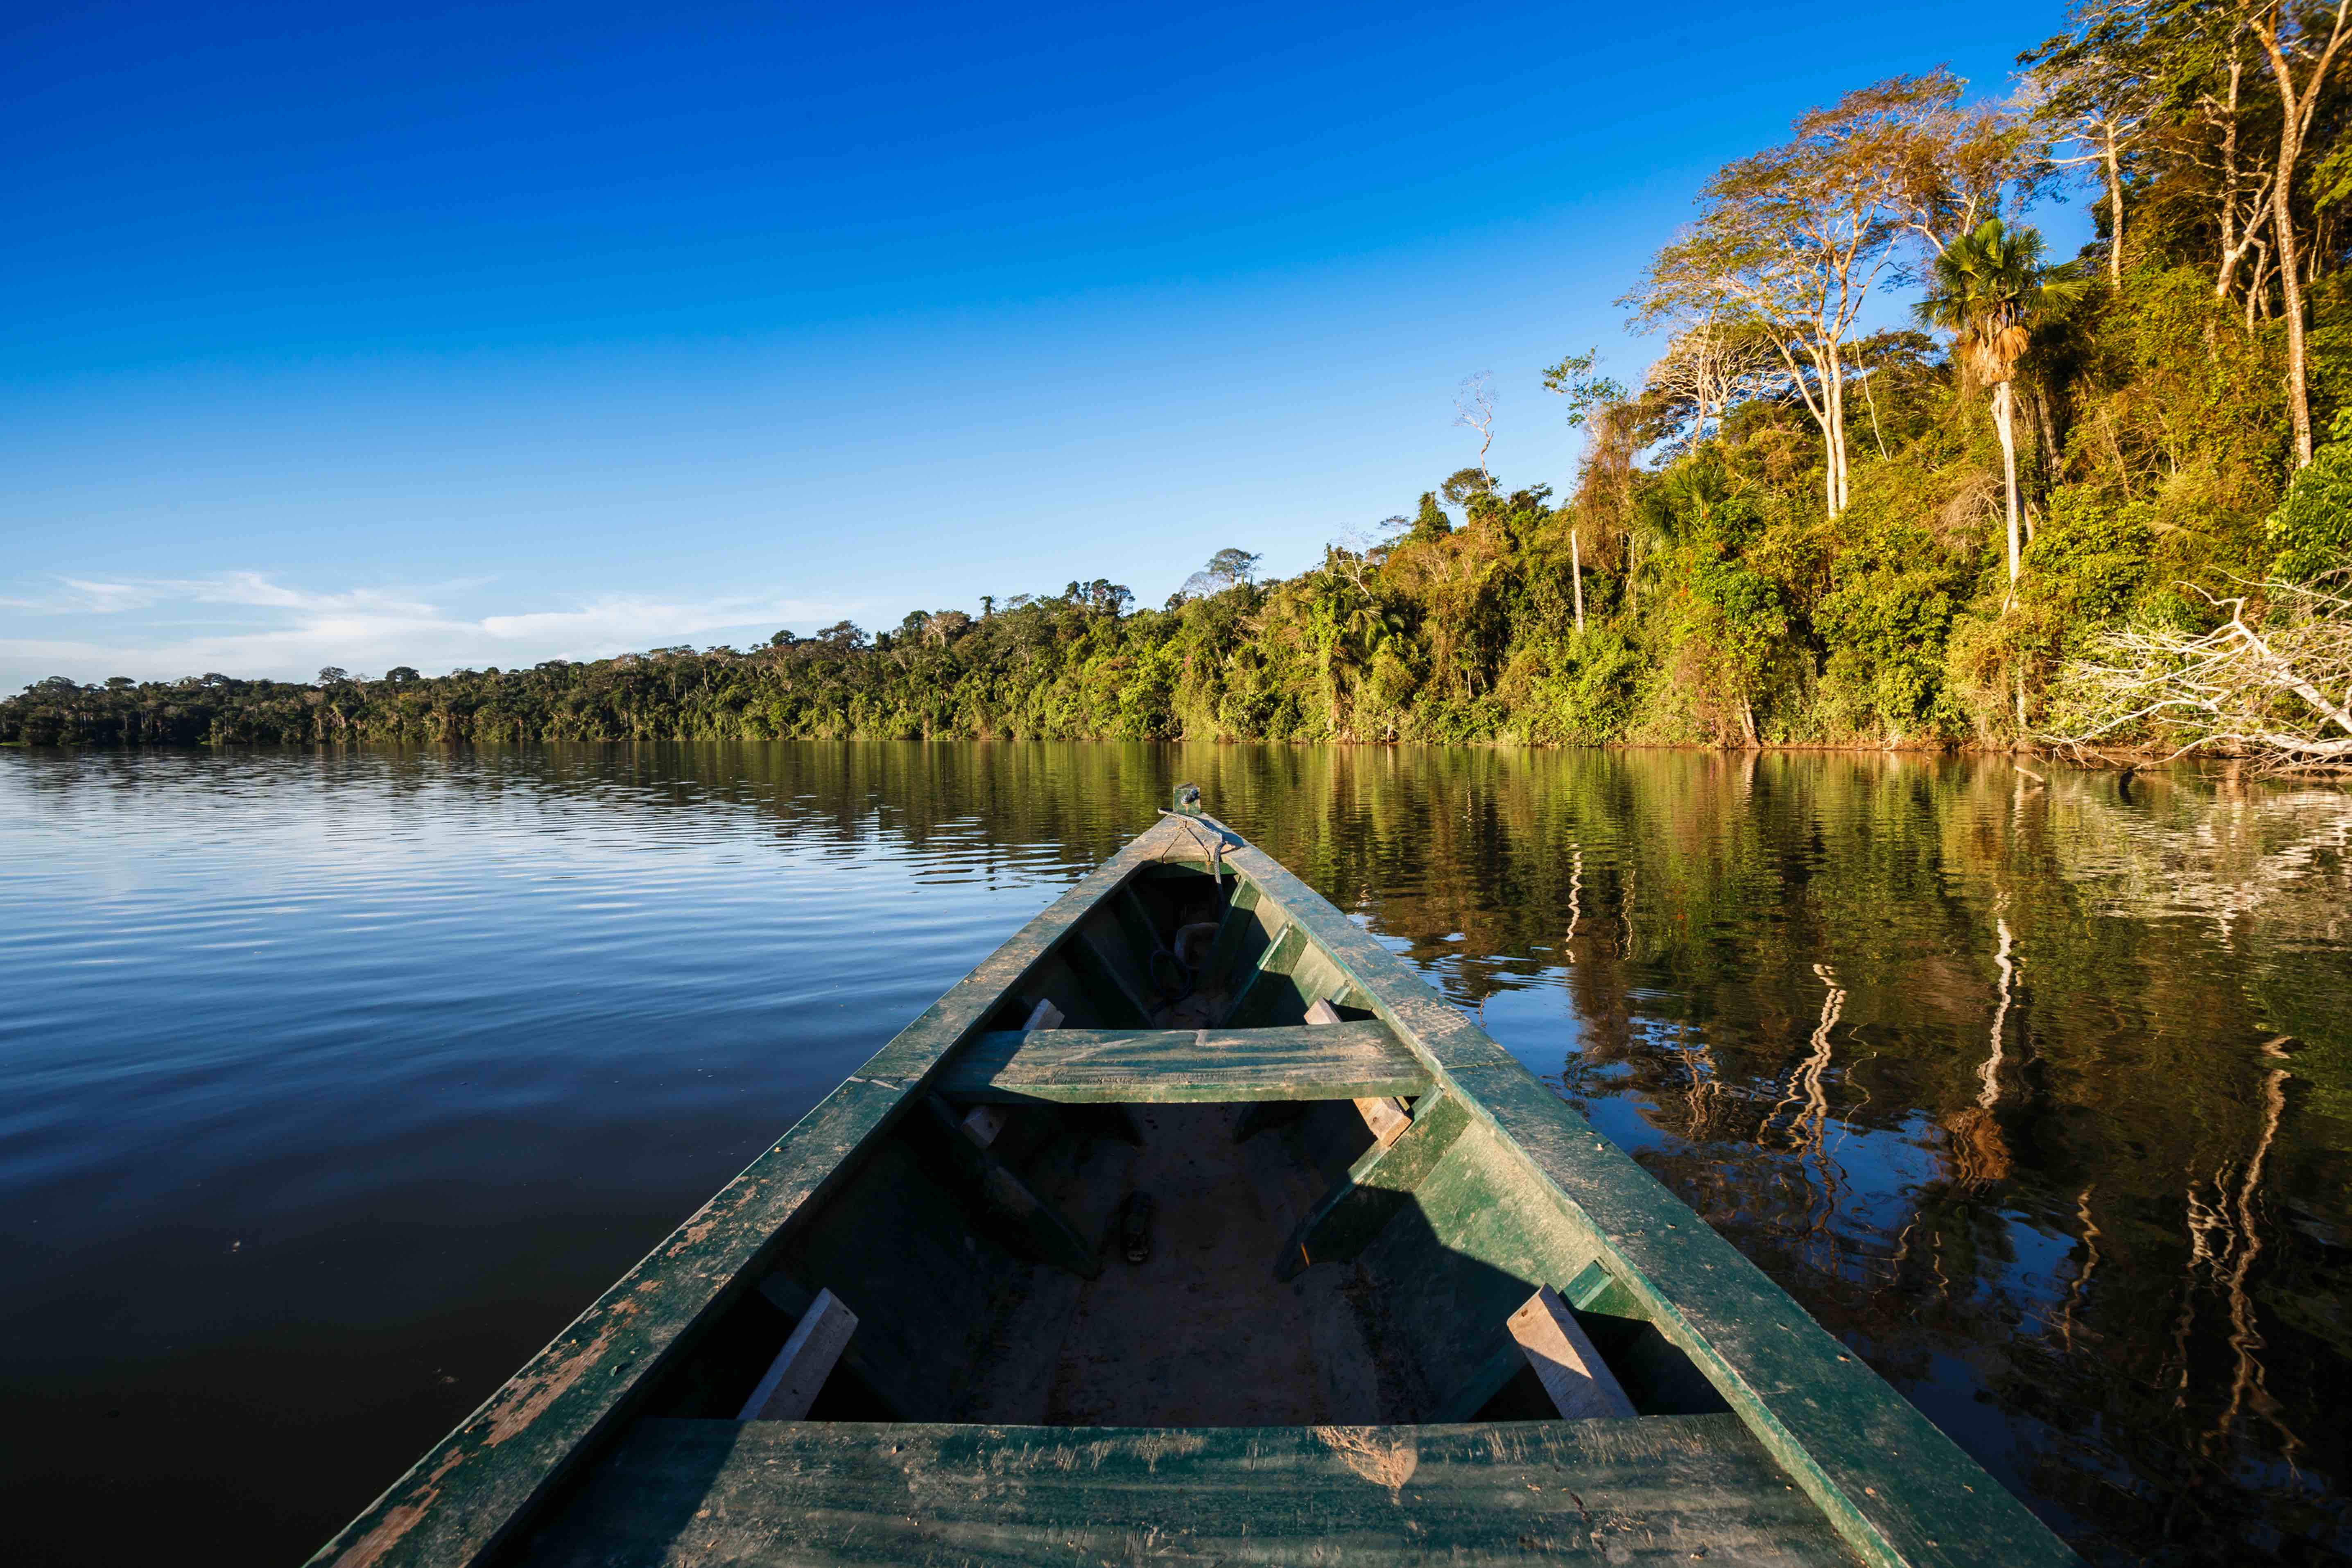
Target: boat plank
[
  {"x": 1855, "y": 1460},
  {"x": 1680, "y": 1488},
  {"x": 1338, "y": 1061},
  {"x": 1240, "y": 936},
  {"x": 885, "y": 1378},
  {"x": 1267, "y": 991},
  {"x": 1479, "y": 1236},
  {"x": 1570, "y": 1370}
]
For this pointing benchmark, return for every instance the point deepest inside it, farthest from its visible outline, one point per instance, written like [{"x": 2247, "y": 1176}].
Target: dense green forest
[{"x": 2077, "y": 500}]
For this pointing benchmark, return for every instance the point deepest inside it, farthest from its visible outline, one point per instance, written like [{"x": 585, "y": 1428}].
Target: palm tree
[{"x": 1991, "y": 289}]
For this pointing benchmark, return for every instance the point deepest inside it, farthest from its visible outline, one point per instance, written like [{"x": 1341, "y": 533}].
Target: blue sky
[{"x": 488, "y": 334}]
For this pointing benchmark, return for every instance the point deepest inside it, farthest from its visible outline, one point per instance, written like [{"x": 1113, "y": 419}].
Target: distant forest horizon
[{"x": 2104, "y": 498}]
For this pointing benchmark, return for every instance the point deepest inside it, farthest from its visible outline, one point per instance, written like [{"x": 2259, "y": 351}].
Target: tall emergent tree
[
  {"x": 2301, "y": 42},
  {"x": 1711, "y": 362},
  {"x": 1989, "y": 290},
  {"x": 1588, "y": 393},
  {"x": 1793, "y": 238},
  {"x": 2095, "y": 88},
  {"x": 1230, "y": 568}
]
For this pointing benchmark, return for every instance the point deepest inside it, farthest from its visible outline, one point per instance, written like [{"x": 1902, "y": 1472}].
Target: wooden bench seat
[
  {"x": 1682, "y": 1487},
  {"x": 1172, "y": 1066}
]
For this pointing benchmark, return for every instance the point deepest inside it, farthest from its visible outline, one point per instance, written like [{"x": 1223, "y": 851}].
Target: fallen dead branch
[{"x": 2272, "y": 683}]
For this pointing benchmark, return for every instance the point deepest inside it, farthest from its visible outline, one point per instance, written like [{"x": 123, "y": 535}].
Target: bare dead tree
[
  {"x": 1473, "y": 405},
  {"x": 1358, "y": 550},
  {"x": 2273, "y": 682}
]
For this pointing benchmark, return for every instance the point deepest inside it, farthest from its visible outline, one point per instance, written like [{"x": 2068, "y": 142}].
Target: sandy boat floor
[{"x": 1202, "y": 1333}]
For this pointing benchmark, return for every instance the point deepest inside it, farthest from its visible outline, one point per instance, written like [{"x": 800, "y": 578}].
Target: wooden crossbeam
[
  {"x": 983, "y": 1123},
  {"x": 807, "y": 1359},
  {"x": 1138, "y": 1067},
  {"x": 849, "y": 1493},
  {"x": 1565, "y": 1362},
  {"x": 986, "y": 1120},
  {"x": 1000, "y": 1191},
  {"x": 1385, "y": 1114},
  {"x": 1262, "y": 991},
  {"x": 863, "y": 1357}
]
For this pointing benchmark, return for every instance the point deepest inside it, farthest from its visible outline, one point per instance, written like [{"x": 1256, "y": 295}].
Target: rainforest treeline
[{"x": 1798, "y": 525}]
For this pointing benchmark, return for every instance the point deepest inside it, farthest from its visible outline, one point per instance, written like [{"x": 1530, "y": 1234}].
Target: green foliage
[
  {"x": 1884, "y": 630},
  {"x": 2089, "y": 563},
  {"x": 1466, "y": 487},
  {"x": 2312, "y": 529},
  {"x": 1587, "y": 393},
  {"x": 1430, "y": 522}
]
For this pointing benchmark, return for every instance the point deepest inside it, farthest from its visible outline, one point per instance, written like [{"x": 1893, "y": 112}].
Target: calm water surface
[{"x": 331, "y": 1086}]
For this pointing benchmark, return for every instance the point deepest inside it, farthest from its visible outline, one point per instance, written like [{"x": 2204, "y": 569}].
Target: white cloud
[
  {"x": 73, "y": 596},
  {"x": 249, "y": 624}
]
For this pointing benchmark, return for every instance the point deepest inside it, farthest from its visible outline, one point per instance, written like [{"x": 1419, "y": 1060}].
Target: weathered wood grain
[
  {"x": 1522, "y": 1191},
  {"x": 1579, "y": 1382},
  {"x": 1343, "y": 1061},
  {"x": 1384, "y": 1115},
  {"x": 1663, "y": 1489},
  {"x": 1385, "y": 1118},
  {"x": 886, "y": 1376},
  {"x": 1483, "y": 1232}
]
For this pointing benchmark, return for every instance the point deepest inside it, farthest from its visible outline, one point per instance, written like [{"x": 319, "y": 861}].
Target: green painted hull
[{"x": 1313, "y": 1365}]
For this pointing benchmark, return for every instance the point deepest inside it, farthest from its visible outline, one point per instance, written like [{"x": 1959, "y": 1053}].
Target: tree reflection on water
[{"x": 2037, "y": 1097}]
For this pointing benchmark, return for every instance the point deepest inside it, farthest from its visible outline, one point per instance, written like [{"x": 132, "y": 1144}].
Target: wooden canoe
[{"x": 1400, "y": 1305}]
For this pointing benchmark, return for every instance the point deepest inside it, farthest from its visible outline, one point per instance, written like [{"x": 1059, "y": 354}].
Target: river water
[{"x": 332, "y": 1085}]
